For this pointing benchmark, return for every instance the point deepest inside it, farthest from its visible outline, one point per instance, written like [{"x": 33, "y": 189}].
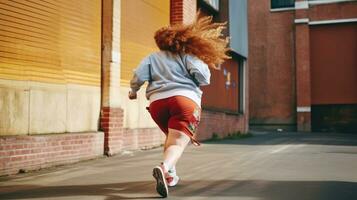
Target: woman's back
[{"x": 171, "y": 74}]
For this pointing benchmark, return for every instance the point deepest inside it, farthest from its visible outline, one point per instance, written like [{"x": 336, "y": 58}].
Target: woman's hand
[{"x": 132, "y": 95}]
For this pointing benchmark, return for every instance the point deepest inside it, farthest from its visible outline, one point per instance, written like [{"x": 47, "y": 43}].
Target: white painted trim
[
  {"x": 301, "y": 21},
  {"x": 317, "y": 2},
  {"x": 301, "y": 5},
  {"x": 303, "y": 109},
  {"x": 305, "y": 4},
  {"x": 115, "y": 56},
  {"x": 282, "y": 9},
  {"x": 335, "y": 21}
]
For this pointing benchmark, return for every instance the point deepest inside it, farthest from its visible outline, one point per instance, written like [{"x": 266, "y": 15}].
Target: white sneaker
[{"x": 172, "y": 179}]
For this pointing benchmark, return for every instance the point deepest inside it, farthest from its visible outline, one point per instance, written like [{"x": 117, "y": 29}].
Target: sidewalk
[{"x": 275, "y": 166}]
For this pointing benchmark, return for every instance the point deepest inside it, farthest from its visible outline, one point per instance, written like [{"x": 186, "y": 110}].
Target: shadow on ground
[
  {"x": 260, "y": 189},
  {"x": 282, "y": 138}
]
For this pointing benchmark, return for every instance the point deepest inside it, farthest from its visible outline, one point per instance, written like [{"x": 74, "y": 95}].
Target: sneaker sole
[{"x": 161, "y": 186}]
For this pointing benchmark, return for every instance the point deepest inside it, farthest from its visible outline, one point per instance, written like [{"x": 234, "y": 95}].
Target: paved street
[{"x": 274, "y": 166}]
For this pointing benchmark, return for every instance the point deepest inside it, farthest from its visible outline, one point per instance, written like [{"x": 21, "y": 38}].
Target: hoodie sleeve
[
  {"x": 141, "y": 74},
  {"x": 198, "y": 70}
]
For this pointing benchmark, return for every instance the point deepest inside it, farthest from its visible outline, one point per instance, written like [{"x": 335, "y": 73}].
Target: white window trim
[
  {"x": 305, "y": 4},
  {"x": 303, "y": 109},
  {"x": 301, "y": 5},
  {"x": 336, "y": 21},
  {"x": 328, "y": 1},
  {"x": 301, "y": 21},
  {"x": 282, "y": 9}
]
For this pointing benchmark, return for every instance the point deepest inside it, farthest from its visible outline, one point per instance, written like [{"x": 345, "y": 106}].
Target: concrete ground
[{"x": 273, "y": 166}]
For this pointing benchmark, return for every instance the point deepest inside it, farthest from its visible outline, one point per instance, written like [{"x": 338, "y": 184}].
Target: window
[
  {"x": 212, "y": 4},
  {"x": 282, "y": 4}
]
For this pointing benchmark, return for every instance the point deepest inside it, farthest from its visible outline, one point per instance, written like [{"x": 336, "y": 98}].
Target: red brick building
[
  {"x": 225, "y": 107},
  {"x": 303, "y": 64}
]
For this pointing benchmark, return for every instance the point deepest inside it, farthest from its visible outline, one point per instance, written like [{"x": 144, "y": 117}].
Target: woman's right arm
[{"x": 141, "y": 74}]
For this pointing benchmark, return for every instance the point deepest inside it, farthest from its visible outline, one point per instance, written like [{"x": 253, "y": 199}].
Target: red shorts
[{"x": 177, "y": 112}]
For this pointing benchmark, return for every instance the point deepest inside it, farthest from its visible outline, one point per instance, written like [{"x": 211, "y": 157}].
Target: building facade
[
  {"x": 65, "y": 68},
  {"x": 303, "y": 65},
  {"x": 225, "y": 107},
  {"x": 50, "y": 83}
]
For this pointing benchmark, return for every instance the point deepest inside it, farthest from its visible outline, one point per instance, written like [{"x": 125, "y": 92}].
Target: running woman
[{"x": 174, "y": 76}]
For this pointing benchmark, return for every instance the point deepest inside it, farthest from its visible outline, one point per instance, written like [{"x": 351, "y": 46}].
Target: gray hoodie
[{"x": 170, "y": 75}]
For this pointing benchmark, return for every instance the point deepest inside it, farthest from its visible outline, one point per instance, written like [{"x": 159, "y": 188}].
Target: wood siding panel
[
  {"x": 137, "y": 31},
  {"x": 51, "y": 41}
]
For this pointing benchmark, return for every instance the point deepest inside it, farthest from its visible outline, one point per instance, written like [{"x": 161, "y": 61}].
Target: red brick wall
[
  {"x": 279, "y": 60},
  {"x": 40, "y": 151},
  {"x": 111, "y": 123},
  {"x": 221, "y": 124},
  {"x": 343, "y": 10},
  {"x": 271, "y": 65},
  {"x": 182, "y": 11},
  {"x": 142, "y": 138},
  {"x": 118, "y": 138},
  {"x": 303, "y": 80},
  {"x": 176, "y": 11}
]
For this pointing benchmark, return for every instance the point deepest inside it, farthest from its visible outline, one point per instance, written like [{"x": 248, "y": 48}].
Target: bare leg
[
  {"x": 175, "y": 144},
  {"x": 172, "y": 170},
  {"x": 165, "y": 144}
]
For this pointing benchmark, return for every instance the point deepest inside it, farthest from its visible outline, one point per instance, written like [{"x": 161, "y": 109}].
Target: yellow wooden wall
[
  {"x": 51, "y": 41},
  {"x": 139, "y": 21}
]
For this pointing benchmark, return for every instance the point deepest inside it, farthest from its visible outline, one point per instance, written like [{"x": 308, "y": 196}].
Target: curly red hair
[{"x": 202, "y": 38}]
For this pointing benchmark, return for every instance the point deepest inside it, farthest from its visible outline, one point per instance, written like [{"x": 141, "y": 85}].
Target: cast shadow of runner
[
  {"x": 215, "y": 189},
  {"x": 127, "y": 190}
]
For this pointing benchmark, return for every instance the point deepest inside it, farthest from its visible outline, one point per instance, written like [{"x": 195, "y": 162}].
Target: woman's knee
[{"x": 176, "y": 137}]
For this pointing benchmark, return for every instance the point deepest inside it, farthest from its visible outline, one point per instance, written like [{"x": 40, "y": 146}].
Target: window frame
[
  {"x": 242, "y": 88},
  {"x": 282, "y": 6}
]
